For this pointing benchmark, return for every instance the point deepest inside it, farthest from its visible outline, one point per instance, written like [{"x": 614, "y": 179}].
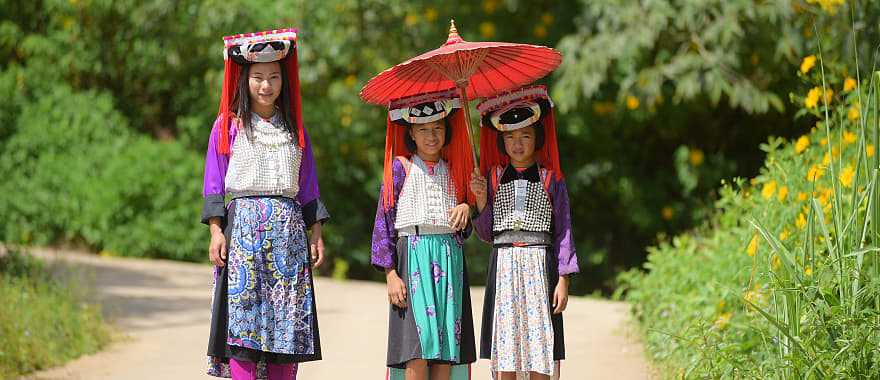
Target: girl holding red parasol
[
  {"x": 421, "y": 223},
  {"x": 524, "y": 214}
]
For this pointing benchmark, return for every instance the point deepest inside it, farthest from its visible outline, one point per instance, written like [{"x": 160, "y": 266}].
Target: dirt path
[{"x": 161, "y": 310}]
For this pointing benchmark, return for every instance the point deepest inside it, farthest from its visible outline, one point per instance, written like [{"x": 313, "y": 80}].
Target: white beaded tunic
[
  {"x": 426, "y": 198},
  {"x": 267, "y": 164},
  {"x": 522, "y": 205}
]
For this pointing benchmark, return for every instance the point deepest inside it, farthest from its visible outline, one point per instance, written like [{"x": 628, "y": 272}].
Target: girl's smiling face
[
  {"x": 520, "y": 146},
  {"x": 429, "y": 138},
  {"x": 264, "y": 83}
]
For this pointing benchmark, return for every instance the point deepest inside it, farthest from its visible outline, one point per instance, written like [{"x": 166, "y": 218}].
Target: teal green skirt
[{"x": 437, "y": 325}]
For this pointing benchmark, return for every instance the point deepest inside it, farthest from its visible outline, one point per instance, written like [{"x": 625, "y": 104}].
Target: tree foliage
[{"x": 114, "y": 99}]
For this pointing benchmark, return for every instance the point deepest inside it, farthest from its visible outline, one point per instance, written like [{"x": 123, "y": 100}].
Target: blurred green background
[{"x": 107, "y": 106}]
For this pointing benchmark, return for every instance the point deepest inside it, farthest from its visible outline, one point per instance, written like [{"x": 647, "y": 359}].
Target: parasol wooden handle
[{"x": 462, "y": 89}]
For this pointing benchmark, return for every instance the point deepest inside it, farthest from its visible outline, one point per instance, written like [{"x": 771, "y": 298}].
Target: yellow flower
[
  {"x": 775, "y": 262},
  {"x": 802, "y": 196},
  {"x": 632, "y": 102},
  {"x": 430, "y": 14},
  {"x": 846, "y": 176},
  {"x": 783, "y": 193},
  {"x": 849, "y": 84},
  {"x": 768, "y": 190},
  {"x": 783, "y": 236},
  {"x": 666, "y": 213},
  {"x": 489, "y": 6},
  {"x": 721, "y": 304},
  {"x": 68, "y": 22},
  {"x": 603, "y": 108},
  {"x": 826, "y": 159},
  {"x": 755, "y": 296},
  {"x": 824, "y": 195},
  {"x": 695, "y": 157},
  {"x": 829, "y": 6},
  {"x": 829, "y": 93},
  {"x": 539, "y": 31},
  {"x": 808, "y": 63},
  {"x": 723, "y": 320},
  {"x": 854, "y": 113},
  {"x": 487, "y": 29},
  {"x": 815, "y": 173},
  {"x": 802, "y": 143},
  {"x": 753, "y": 246},
  {"x": 849, "y": 137},
  {"x": 411, "y": 19},
  {"x": 350, "y": 80},
  {"x": 801, "y": 221},
  {"x": 824, "y": 141},
  {"x": 869, "y": 150},
  {"x": 812, "y": 98},
  {"x": 808, "y": 271}
]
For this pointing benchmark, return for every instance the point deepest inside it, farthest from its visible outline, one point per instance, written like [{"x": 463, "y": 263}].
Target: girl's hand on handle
[
  {"x": 316, "y": 246},
  {"x": 478, "y": 187},
  {"x": 560, "y": 295},
  {"x": 396, "y": 289},
  {"x": 217, "y": 247},
  {"x": 459, "y": 216}
]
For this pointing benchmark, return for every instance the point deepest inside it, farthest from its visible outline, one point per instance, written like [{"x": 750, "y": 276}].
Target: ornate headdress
[
  {"x": 426, "y": 108},
  {"x": 514, "y": 110},
  {"x": 259, "y": 47}
]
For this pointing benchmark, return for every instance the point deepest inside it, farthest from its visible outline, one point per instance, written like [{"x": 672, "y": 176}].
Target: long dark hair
[{"x": 242, "y": 101}]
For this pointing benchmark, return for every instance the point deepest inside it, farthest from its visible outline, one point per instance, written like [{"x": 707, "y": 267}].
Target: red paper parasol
[{"x": 477, "y": 69}]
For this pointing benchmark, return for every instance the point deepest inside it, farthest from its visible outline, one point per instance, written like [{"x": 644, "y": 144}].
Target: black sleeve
[
  {"x": 315, "y": 212},
  {"x": 214, "y": 207}
]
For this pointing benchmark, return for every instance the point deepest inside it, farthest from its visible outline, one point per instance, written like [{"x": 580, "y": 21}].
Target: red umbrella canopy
[{"x": 486, "y": 68}]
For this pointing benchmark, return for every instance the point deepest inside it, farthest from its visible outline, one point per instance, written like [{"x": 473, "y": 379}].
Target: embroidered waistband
[
  {"x": 522, "y": 239},
  {"x": 424, "y": 229}
]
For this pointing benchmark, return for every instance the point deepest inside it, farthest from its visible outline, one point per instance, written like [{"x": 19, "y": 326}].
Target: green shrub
[
  {"x": 74, "y": 172},
  {"x": 784, "y": 281},
  {"x": 46, "y": 318}
]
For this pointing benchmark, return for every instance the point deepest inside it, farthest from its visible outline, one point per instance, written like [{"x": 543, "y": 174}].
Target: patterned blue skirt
[{"x": 266, "y": 288}]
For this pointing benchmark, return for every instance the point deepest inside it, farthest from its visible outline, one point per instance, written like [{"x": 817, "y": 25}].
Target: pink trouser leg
[
  {"x": 243, "y": 370},
  {"x": 281, "y": 371}
]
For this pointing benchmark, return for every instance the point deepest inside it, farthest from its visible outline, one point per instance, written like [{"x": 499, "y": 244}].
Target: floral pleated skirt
[
  {"x": 520, "y": 333},
  {"x": 264, "y": 302}
]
